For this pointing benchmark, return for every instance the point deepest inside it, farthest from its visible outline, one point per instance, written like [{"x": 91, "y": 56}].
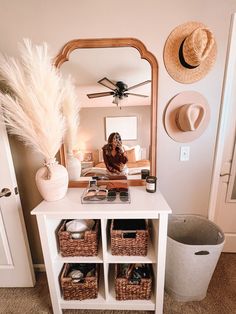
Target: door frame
[{"x": 223, "y": 116}]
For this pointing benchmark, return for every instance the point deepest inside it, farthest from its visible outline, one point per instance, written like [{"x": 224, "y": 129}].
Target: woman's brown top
[{"x": 116, "y": 163}]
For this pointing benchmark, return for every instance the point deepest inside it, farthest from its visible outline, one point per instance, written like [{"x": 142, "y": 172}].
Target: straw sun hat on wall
[{"x": 189, "y": 52}]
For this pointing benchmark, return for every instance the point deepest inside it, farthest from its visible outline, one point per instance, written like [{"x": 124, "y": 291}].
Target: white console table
[{"x": 144, "y": 205}]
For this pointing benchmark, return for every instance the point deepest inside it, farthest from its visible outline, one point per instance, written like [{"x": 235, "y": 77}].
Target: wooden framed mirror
[{"x": 116, "y": 65}]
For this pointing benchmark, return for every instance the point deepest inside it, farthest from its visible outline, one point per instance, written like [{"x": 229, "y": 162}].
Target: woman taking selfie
[{"x": 114, "y": 156}]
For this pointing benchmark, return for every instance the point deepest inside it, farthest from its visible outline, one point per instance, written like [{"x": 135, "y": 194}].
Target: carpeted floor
[{"x": 221, "y": 296}]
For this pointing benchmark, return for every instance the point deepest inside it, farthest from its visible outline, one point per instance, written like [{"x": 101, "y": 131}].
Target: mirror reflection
[{"x": 114, "y": 95}]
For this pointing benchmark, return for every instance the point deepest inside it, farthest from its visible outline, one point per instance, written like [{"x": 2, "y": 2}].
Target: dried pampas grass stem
[
  {"x": 32, "y": 110},
  {"x": 70, "y": 109}
]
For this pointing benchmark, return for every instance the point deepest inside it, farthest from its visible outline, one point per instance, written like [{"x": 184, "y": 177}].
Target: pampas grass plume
[
  {"x": 32, "y": 111},
  {"x": 70, "y": 108}
]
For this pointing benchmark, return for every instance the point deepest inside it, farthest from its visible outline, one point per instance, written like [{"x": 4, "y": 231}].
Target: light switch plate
[{"x": 184, "y": 153}]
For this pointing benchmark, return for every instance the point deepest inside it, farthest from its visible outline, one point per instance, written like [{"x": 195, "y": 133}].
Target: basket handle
[
  {"x": 129, "y": 234},
  {"x": 202, "y": 253}
]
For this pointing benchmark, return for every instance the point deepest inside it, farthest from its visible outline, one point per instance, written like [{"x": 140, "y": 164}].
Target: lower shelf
[{"x": 110, "y": 304}]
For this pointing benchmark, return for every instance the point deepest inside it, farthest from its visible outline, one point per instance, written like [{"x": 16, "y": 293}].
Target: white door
[
  {"x": 223, "y": 193},
  {"x": 16, "y": 269}
]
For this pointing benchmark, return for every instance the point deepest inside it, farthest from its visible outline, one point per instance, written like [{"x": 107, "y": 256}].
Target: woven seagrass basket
[
  {"x": 88, "y": 246},
  {"x": 126, "y": 291},
  {"x": 71, "y": 290},
  {"x": 129, "y": 242}
]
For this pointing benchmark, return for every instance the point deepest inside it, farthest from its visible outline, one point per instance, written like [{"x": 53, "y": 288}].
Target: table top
[{"x": 142, "y": 205}]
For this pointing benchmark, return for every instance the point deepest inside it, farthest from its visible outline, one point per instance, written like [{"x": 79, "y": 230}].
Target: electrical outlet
[{"x": 184, "y": 153}]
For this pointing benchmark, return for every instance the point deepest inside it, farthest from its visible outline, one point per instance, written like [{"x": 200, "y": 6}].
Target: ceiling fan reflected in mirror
[{"x": 119, "y": 89}]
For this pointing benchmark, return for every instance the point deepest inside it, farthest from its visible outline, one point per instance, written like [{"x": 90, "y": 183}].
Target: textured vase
[
  {"x": 52, "y": 180},
  {"x": 73, "y": 166}
]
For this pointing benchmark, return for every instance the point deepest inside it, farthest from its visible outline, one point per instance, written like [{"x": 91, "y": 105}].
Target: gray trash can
[{"x": 194, "y": 245}]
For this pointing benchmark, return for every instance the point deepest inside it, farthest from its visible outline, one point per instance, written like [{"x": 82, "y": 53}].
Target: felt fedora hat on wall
[
  {"x": 189, "y": 52},
  {"x": 187, "y": 116}
]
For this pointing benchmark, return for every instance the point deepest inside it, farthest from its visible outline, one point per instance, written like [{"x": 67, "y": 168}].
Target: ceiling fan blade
[
  {"x": 140, "y": 84},
  {"x": 107, "y": 83},
  {"x": 95, "y": 95},
  {"x": 136, "y": 95}
]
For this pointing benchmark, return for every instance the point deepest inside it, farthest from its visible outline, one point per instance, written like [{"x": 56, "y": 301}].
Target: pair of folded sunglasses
[
  {"x": 94, "y": 194},
  {"x": 123, "y": 194}
]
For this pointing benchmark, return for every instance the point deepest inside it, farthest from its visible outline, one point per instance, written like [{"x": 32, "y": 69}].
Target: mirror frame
[{"x": 64, "y": 55}]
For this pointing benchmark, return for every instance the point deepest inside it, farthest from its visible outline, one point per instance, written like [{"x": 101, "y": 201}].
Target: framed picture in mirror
[{"x": 125, "y": 126}]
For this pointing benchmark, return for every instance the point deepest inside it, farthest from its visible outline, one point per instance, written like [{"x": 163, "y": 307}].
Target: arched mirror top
[{"x": 65, "y": 55}]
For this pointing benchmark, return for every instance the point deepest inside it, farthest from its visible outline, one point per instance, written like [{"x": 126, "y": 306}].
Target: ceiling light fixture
[{"x": 117, "y": 100}]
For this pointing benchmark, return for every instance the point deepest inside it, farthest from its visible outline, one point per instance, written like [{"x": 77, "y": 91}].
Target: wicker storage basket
[
  {"x": 88, "y": 289},
  {"x": 129, "y": 242},
  {"x": 127, "y": 291},
  {"x": 88, "y": 246}
]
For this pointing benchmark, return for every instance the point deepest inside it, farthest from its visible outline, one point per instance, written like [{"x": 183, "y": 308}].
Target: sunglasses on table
[
  {"x": 93, "y": 194},
  {"x": 123, "y": 194}
]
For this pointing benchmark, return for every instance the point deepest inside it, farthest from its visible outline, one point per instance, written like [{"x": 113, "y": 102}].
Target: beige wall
[{"x": 186, "y": 185}]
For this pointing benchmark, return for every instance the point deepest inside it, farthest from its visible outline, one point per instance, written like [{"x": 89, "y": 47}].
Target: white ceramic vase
[
  {"x": 73, "y": 166},
  {"x": 52, "y": 180}
]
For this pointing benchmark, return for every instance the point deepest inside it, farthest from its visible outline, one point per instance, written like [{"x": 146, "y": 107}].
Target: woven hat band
[{"x": 197, "y": 46}]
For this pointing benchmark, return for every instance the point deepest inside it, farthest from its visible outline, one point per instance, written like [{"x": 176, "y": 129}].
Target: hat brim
[
  {"x": 171, "y": 111},
  {"x": 171, "y": 55}
]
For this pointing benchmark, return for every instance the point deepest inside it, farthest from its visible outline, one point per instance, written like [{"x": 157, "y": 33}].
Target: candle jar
[
  {"x": 151, "y": 182},
  {"x": 144, "y": 174}
]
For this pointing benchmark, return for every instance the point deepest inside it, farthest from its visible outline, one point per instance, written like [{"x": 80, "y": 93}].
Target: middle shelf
[
  {"x": 104, "y": 251},
  {"x": 109, "y": 258}
]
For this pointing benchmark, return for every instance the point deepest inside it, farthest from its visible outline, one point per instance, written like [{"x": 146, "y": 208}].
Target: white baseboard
[
  {"x": 39, "y": 267},
  {"x": 230, "y": 243}
]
